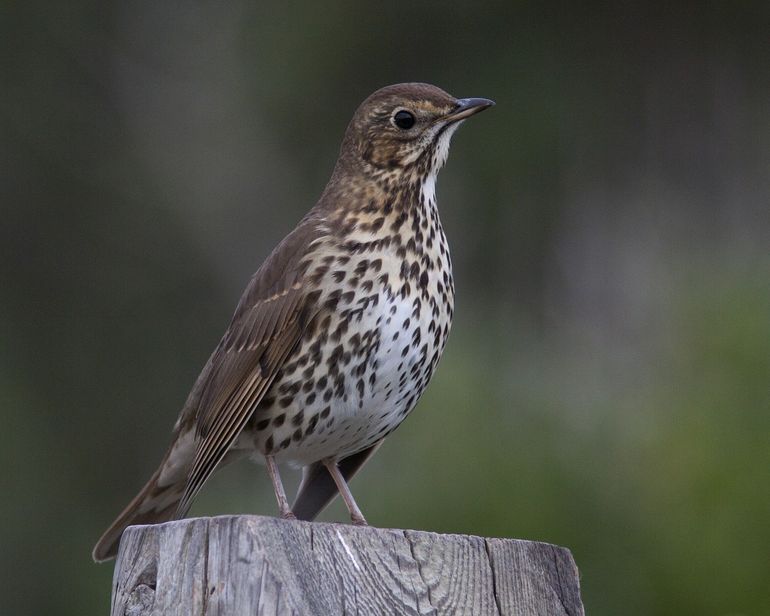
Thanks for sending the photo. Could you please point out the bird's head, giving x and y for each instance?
(406, 126)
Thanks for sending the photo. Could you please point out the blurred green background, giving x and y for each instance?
(605, 386)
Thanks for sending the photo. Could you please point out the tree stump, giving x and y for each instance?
(239, 565)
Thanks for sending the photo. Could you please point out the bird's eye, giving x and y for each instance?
(403, 119)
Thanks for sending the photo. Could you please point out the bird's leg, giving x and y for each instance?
(355, 513)
(280, 494)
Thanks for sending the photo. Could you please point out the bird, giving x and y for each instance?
(338, 333)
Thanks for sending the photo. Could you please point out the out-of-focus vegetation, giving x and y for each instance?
(606, 383)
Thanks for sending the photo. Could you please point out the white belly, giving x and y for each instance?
(381, 385)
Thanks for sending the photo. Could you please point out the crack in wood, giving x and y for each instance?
(493, 575)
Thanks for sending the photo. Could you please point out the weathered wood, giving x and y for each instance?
(238, 565)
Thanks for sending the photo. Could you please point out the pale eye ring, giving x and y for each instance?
(404, 119)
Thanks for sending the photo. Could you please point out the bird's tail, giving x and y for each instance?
(158, 499)
(318, 489)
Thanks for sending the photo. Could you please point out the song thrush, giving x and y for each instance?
(338, 333)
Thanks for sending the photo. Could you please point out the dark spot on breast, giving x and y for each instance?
(335, 356)
(339, 385)
(290, 388)
(332, 302)
(398, 222)
(360, 369)
(404, 272)
(290, 368)
(319, 273)
(417, 304)
(352, 247)
(312, 424)
(362, 266)
(414, 270)
(267, 401)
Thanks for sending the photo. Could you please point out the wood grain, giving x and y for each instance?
(238, 565)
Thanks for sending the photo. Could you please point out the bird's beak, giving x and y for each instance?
(466, 107)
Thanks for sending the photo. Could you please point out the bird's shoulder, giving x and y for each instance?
(282, 273)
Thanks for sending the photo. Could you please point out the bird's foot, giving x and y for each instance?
(358, 520)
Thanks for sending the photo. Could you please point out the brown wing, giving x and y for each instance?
(267, 325)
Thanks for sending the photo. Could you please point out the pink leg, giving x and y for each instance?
(280, 494)
(355, 513)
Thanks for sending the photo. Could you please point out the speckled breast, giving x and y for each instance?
(385, 309)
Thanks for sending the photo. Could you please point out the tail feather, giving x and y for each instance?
(142, 510)
(318, 489)
(157, 501)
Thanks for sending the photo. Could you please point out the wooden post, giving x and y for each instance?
(239, 565)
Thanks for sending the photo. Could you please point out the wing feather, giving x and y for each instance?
(268, 323)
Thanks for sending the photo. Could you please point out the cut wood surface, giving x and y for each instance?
(239, 565)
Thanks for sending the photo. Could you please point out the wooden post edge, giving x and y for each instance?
(238, 565)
